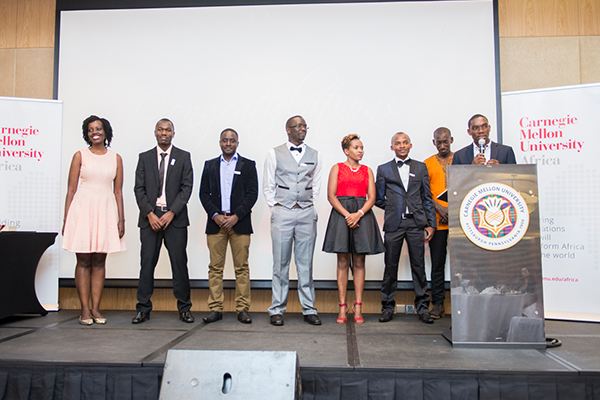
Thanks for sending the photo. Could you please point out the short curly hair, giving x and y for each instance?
(348, 139)
(108, 132)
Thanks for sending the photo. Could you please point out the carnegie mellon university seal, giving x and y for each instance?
(494, 216)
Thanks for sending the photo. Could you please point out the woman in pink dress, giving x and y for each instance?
(352, 230)
(94, 220)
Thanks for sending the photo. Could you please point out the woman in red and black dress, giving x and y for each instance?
(352, 231)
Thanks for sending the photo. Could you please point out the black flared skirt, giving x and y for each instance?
(339, 238)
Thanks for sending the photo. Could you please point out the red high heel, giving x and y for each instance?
(358, 320)
(342, 320)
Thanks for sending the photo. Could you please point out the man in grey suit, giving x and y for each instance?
(487, 153)
(163, 185)
(402, 190)
(292, 178)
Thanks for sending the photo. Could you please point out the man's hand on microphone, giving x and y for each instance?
(479, 159)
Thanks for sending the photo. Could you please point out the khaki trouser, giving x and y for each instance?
(217, 245)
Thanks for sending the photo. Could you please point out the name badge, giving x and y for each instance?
(237, 172)
(172, 161)
(411, 175)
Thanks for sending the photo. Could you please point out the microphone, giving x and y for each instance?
(481, 143)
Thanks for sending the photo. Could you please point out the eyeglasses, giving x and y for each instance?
(300, 126)
(480, 128)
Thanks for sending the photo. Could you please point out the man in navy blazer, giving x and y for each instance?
(228, 191)
(403, 192)
(163, 185)
(493, 153)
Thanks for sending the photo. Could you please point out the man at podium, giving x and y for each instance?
(483, 151)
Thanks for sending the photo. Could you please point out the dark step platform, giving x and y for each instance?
(55, 357)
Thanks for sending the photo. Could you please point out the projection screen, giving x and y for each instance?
(373, 68)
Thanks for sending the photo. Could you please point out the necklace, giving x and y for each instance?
(353, 169)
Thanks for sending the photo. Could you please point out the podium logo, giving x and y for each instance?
(494, 216)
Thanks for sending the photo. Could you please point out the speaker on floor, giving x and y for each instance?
(225, 374)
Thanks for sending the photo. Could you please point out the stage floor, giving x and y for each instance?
(402, 345)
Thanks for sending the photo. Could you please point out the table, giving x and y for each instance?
(20, 253)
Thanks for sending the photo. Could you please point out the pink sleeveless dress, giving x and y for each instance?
(91, 225)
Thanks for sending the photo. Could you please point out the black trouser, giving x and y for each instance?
(438, 249)
(175, 240)
(415, 240)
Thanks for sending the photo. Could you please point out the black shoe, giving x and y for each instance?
(312, 319)
(140, 317)
(386, 316)
(187, 317)
(214, 316)
(277, 320)
(244, 317)
(437, 311)
(425, 317)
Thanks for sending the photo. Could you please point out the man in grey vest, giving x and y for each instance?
(292, 178)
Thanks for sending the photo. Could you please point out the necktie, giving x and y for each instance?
(401, 163)
(161, 174)
(298, 149)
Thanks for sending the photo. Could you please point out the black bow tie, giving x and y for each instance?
(298, 149)
(401, 163)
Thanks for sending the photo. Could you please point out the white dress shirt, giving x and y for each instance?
(162, 199)
(404, 172)
(487, 153)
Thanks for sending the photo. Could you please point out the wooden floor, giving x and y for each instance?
(327, 300)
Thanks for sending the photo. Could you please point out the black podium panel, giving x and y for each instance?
(20, 254)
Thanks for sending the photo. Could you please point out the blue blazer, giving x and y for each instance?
(244, 192)
(504, 154)
(393, 197)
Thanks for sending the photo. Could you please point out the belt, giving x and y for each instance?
(226, 214)
(407, 215)
(162, 208)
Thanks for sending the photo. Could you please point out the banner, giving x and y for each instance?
(30, 146)
(556, 129)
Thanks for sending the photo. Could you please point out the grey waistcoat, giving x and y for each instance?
(293, 179)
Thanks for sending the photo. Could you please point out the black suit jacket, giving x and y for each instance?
(244, 192)
(393, 198)
(504, 154)
(178, 186)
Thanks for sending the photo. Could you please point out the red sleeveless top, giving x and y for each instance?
(352, 183)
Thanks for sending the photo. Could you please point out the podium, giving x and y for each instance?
(495, 257)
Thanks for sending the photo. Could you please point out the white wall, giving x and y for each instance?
(372, 69)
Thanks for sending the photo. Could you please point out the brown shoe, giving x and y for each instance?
(437, 311)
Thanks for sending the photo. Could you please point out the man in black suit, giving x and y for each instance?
(163, 185)
(228, 190)
(403, 192)
(493, 153)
